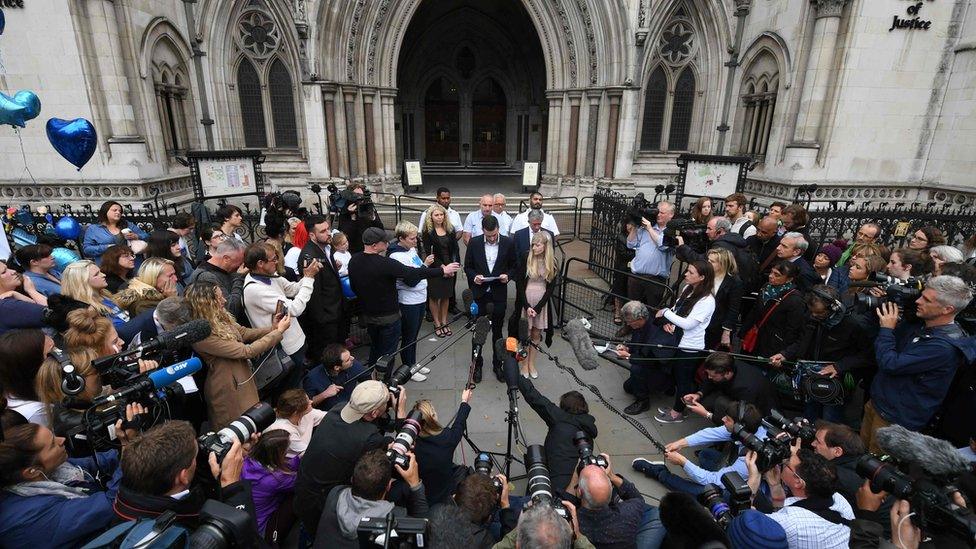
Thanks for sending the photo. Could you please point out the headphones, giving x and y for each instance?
(833, 303)
(72, 383)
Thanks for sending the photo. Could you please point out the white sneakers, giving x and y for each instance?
(421, 375)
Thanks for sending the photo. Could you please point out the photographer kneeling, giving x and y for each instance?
(610, 520)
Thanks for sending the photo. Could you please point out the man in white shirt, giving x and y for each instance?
(444, 199)
(815, 516)
(504, 219)
(472, 223)
(521, 221)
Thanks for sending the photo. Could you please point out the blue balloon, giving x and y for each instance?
(347, 288)
(3, 22)
(12, 112)
(75, 140)
(30, 102)
(22, 238)
(67, 228)
(64, 257)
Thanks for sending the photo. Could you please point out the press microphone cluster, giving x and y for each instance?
(582, 345)
(152, 381)
(935, 456)
(116, 369)
(518, 347)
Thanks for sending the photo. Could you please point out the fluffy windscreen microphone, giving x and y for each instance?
(481, 329)
(935, 456)
(500, 349)
(582, 345)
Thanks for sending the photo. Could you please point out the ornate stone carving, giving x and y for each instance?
(642, 14)
(373, 39)
(590, 39)
(257, 33)
(828, 8)
(357, 16)
(301, 11)
(678, 43)
(570, 43)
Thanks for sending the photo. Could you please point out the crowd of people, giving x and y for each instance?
(853, 337)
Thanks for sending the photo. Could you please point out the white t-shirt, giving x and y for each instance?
(521, 221)
(472, 224)
(298, 435)
(291, 258)
(695, 324)
(343, 257)
(410, 295)
(32, 410)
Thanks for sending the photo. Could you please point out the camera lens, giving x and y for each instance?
(482, 464)
(884, 476)
(255, 419)
(405, 437)
(539, 487)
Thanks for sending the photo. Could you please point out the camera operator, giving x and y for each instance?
(814, 516)
(359, 215)
(792, 248)
(343, 436)
(842, 446)
(711, 466)
(48, 499)
(158, 471)
(477, 499)
(652, 258)
(609, 507)
(563, 422)
(540, 526)
(832, 334)
(724, 377)
(721, 235)
(916, 363)
(370, 482)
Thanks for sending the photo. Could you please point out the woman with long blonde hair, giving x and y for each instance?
(85, 282)
(437, 239)
(230, 387)
(534, 289)
(728, 290)
(156, 280)
(435, 447)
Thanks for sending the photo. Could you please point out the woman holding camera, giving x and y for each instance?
(435, 447)
(229, 389)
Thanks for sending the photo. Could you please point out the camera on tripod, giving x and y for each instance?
(405, 439)
(255, 419)
(930, 497)
(482, 466)
(585, 448)
(539, 488)
(900, 292)
(339, 201)
(740, 498)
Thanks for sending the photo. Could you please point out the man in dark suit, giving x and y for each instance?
(523, 237)
(323, 314)
(791, 248)
(490, 256)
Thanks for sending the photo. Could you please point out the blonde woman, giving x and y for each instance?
(85, 282)
(155, 282)
(437, 239)
(728, 291)
(435, 448)
(230, 387)
(535, 284)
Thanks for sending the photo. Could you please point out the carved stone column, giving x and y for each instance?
(331, 129)
(352, 143)
(573, 135)
(369, 131)
(554, 137)
(613, 127)
(387, 98)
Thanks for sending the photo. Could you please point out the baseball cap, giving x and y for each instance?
(366, 397)
(373, 235)
(754, 530)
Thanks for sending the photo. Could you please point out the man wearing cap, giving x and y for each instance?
(757, 531)
(373, 278)
(344, 435)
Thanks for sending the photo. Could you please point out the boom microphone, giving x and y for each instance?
(154, 380)
(177, 338)
(582, 345)
(481, 328)
(935, 456)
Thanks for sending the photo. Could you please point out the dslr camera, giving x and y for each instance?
(405, 439)
(770, 452)
(692, 233)
(97, 429)
(482, 466)
(798, 427)
(539, 488)
(741, 498)
(585, 448)
(900, 292)
(255, 419)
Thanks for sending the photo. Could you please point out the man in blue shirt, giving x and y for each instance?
(38, 264)
(652, 258)
(330, 383)
(916, 364)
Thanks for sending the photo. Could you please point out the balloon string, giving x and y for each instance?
(23, 153)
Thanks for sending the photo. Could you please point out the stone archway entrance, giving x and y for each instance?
(471, 87)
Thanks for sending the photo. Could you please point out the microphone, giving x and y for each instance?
(582, 345)
(511, 370)
(481, 328)
(470, 307)
(154, 380)
(523, 331)
(177, 338)
(935, 456)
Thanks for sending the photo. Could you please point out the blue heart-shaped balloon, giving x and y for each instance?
(12, 112)
(30, 102)
(75, 140)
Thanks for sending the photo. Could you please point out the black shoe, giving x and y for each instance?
(477, 374)
(638, 407)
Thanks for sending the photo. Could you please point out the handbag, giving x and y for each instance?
(752, 335)
(271, 366)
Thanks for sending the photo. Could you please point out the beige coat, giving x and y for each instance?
(226, 391)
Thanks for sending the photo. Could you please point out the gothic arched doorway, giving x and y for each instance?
(488, 117)
(441, 122)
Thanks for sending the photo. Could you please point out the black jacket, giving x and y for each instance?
(523, 241)
(748, 384)
(728, 298)
(848, 481)
(130, 505)
(327, 301)
(561, 453)
(330, 533)
(435, 457)
(846, 343)
(736, 245)
(476, 264)
(781, 329)
(429, 245)
(373, 277)
(808, 277)
(762, 251)
(354, 228)
(614, 526)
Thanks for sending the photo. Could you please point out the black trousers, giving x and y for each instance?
(647, 292)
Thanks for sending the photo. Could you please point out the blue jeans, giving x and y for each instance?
(833, 413)
(383, 341)
(411, 317)
(672, 481)
(651, 533)
(683, 369)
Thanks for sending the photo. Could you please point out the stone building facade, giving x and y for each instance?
(868, 99)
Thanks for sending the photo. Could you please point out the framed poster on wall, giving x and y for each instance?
(221, 174)
(710, 175)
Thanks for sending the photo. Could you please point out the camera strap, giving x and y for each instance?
(821, 507)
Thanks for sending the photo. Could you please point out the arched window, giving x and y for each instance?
(669, 98)
(252, 106)
(282, 105)
(761, 83)
(265, 86)
(654, 103)
(172, 95)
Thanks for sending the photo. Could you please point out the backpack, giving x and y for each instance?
(132, 534)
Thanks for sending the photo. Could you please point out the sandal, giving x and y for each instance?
(438, 331)
(447, 332)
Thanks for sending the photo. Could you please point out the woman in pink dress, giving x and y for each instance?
(535, 287)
